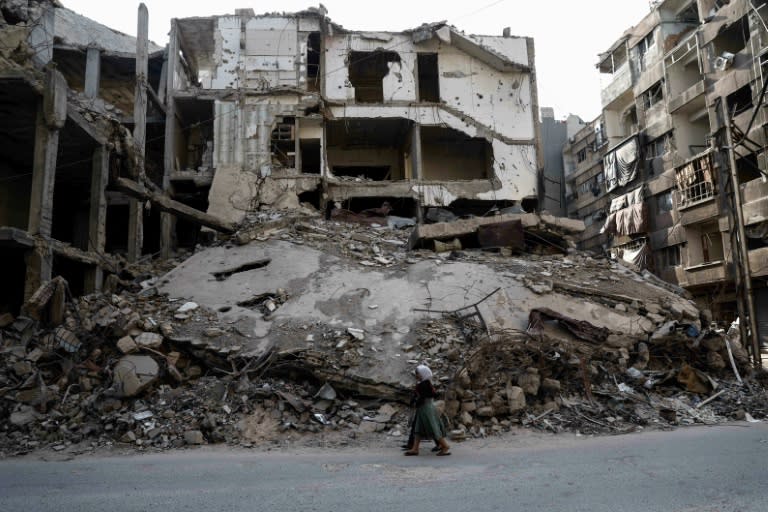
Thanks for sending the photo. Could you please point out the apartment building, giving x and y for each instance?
(675, 87)
(278, 109)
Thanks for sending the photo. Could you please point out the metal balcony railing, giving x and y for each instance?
(696, 193)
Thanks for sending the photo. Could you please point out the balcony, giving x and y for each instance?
(621, 81)
(685, 97)
(703, 274)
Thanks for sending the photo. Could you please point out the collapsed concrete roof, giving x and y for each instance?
(75, 31)
(385, 301)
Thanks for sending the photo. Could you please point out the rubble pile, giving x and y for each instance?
(138, 367)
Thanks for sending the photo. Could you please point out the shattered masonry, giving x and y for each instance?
(370, 191)
(269, 111)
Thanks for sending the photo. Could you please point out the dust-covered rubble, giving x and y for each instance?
(557, 341)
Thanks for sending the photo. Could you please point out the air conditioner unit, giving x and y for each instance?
(724, 61)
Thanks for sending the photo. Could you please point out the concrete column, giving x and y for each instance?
(416, 152)
(92, 72)
(98, 215)
(418, 168)
(169, 155)
(136, 210)
(297, 146)
(39, 263)
(51, 117)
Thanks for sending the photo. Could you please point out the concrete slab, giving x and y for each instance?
(327, 295)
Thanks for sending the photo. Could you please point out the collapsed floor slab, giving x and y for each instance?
(327, 296)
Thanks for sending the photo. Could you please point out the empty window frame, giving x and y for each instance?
(712, 247)
(653, 95)
(740, 100)
(659, 146)
(665, 202)
(642, 49)
(670, 257)
(313, 61)
(429, 83)
(366, 73)
(581, 155)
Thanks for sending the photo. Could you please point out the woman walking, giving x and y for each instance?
(426, 423)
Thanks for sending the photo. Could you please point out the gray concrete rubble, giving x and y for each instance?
(302, 330)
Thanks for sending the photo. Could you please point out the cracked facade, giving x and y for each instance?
(113, 147)
(304, 110)
(650, 176)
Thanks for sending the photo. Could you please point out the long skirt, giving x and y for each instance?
(427, 424)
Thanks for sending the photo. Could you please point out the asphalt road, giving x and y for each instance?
(703, 469)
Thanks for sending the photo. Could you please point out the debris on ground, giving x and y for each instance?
(300, 328)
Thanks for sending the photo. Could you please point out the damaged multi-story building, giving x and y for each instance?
(280, 109)
(682, 126)
(113, 148)
(67, 90)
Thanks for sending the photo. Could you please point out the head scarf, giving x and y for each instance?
(423, 372)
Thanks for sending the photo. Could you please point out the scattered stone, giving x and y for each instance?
(127, 345)
(194, 437)
(132, 374)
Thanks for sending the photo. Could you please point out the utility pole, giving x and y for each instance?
(739, 249)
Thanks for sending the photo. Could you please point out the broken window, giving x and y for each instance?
(712, 247)
(733, 39)
(581, 155)
(366, 73)
(664, 202)
(653, 95)
(313, 61)
(283, 143)
(670, 256)
(695, 181)
(747, 169)
(740, 100)
(642, 49)
(659, 146)
(429, 85)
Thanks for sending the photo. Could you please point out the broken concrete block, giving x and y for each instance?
(127, 345)
(214, 332)
(194, 437)
(551, 386)
(326, 392)
(465, 419)
(619, 341)
(23, 368)
(149, 340)
(643, 356)
(24, 416)
(132, 374)
(530, 381)
(515, 398)
(187, 307)
(6, 319)
(468, 406)
(485, 412)
(367, 427)
(358, 334)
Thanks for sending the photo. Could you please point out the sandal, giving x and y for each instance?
(410, 452)
(442, 453)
